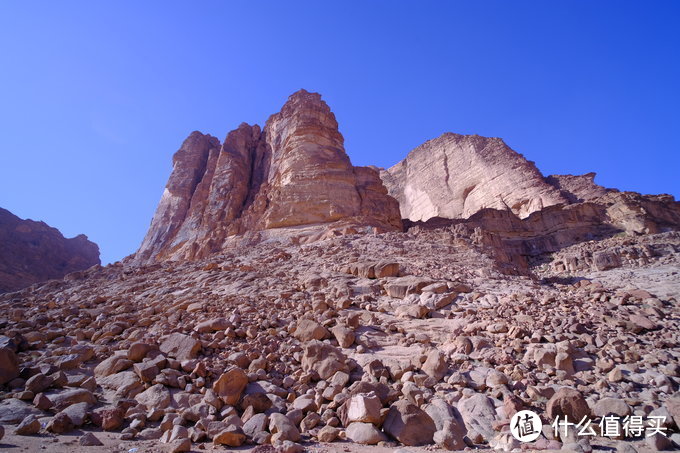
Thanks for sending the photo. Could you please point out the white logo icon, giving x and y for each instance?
(526, 426)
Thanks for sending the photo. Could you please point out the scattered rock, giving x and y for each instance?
(89, 440)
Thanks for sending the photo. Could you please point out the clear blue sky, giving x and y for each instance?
(96, 96)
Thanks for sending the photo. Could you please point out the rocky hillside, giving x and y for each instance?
(279, 303)
(293, 172)
(32, 252)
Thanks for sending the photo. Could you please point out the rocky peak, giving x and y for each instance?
(294, 172)
(455, 176)
(32, 252)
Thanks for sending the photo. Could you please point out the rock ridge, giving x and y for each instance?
(32, 252)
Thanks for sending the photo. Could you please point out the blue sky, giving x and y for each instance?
(95, 97)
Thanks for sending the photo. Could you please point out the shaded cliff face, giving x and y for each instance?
(454, 176)
(292, 173)
(31, 252)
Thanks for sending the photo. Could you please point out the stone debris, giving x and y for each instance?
(288, 320)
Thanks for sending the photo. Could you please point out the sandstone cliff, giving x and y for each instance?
(454, 176)
(32, 252)
(294, 172)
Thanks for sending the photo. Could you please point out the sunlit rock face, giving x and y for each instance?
(455, 176)
(294, 172)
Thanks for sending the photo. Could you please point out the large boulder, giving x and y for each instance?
(13, 411)
(323, 358)
(364, 433)
(310, 330)
(230, 385)
(479, 414)
(410, 425)
(362, 407)
(567, 402)
(9, 365)
(435, 365)
(181, 347)
(155, 397)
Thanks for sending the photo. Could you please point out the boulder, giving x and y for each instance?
(451, 436)
(363, 407)
(310, 330)
(281, 425)
(181, 347)
(112, 365)
(323, 358)
(230, 385)
(90, 440)
(567, 402)
(138, 350)
(66, 398)
(155, 397)
(479, 414)
(401, 287)
(364, 433)
(212, 325)
(9, 365)
(435, 365)
(231, 436)
(28, 426)
(409, 424)
(611, 406)
(344, 335)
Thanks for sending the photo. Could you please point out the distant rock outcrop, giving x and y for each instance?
(578, 188)
(32, 252)
(292, 173)
(454, 176)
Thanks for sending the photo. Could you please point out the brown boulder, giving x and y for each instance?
(181, 347)
(567, 402)
(409, 424)
(230, 385)
(310, 330)
(325, 359)
(9, 365)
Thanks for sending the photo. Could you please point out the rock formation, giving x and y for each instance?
(292, 173)
(32, 252)
(578, 188)
(454, 176)
(246, 319)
